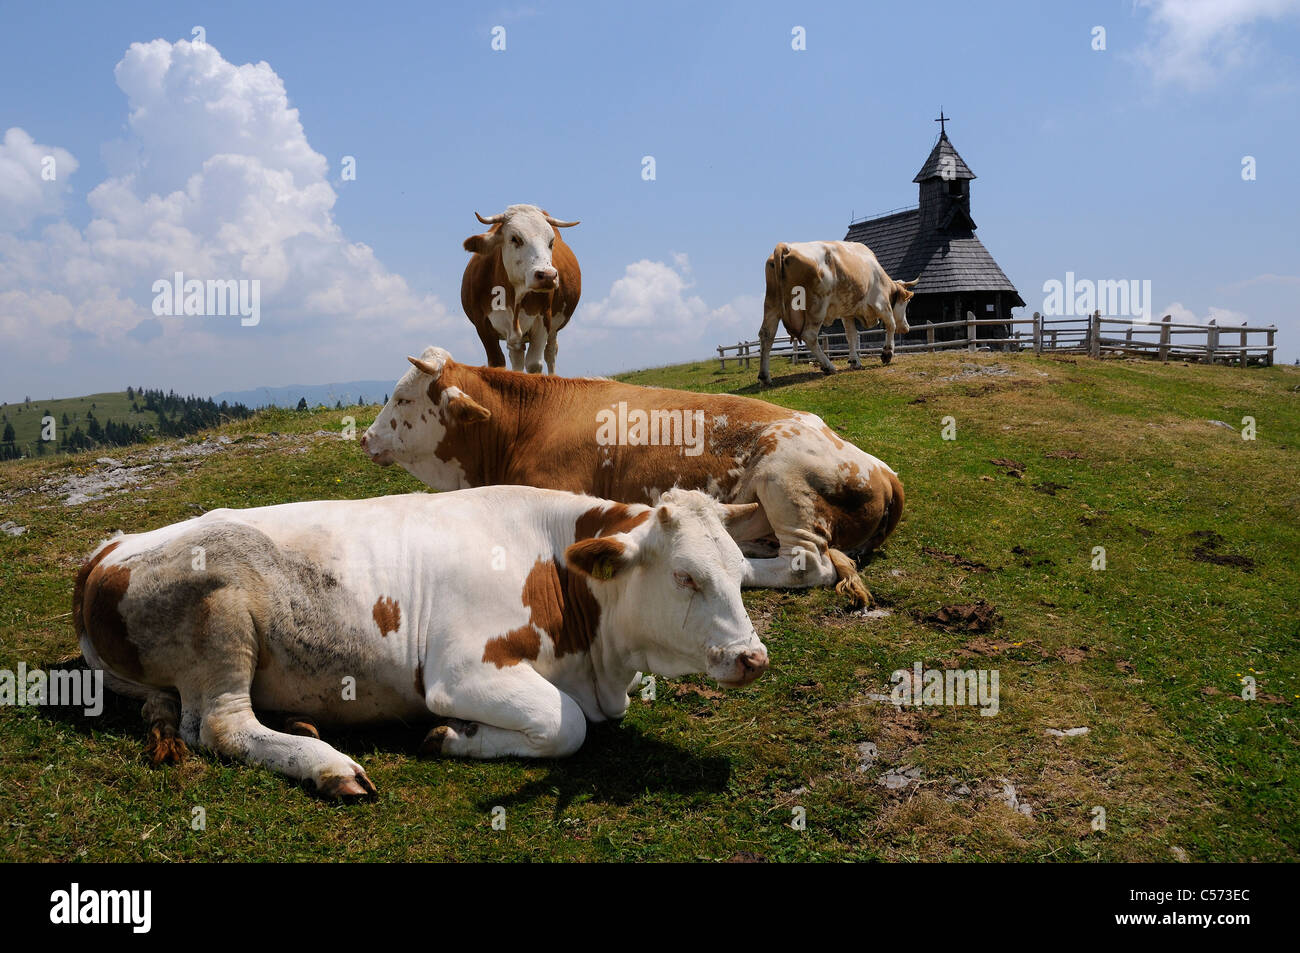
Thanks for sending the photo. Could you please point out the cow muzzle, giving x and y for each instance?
(544, 279)
(739, 668)
(382, 457)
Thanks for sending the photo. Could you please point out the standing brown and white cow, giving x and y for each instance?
(813, 284)
(521, 286)
(452, 426)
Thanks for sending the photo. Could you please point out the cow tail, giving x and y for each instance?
(850, 584)
(778, 258)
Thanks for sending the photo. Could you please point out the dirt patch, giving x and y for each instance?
(960, 561)
(1206, 550)
(1050, 488)
(977, 616)
(1028, 559)
(1012, 468)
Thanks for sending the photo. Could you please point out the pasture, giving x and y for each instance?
(1051, 459)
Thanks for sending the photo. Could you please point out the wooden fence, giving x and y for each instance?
(1092, 335)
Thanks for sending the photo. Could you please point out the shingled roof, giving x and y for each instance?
(946, 254)
(933, 166)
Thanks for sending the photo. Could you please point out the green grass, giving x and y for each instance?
(1136, 652)
(26, 417)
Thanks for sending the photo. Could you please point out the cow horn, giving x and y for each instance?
(433, 370)
(491, 219)
(558, 224)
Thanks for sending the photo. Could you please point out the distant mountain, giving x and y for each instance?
(352, 392)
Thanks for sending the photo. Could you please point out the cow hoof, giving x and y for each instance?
(765, 381)
(886, 357)
(164, 747)
(301, 726)
(855, 366)
(828, 371)
(344, 786)
(434, 741)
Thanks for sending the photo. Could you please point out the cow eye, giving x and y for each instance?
(551, 243)
(685, 581)
(516, 241)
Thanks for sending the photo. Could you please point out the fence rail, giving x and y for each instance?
(1092, 334)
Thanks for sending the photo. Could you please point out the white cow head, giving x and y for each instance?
(422, 411)
(525, 237)
(898, 300)
(676, 590)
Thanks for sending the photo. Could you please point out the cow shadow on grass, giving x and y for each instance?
(618, 764)
(755, 389)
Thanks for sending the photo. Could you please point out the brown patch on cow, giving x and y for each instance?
(96, 598)
(833, 437)
(387, 614)
(393, 423)
(561, 605)
(79, 588)
(419, 680)
(608, 521)
(406, 424)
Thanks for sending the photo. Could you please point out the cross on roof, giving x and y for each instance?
(941, 120)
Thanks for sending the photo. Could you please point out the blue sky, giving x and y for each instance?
(1122, 163)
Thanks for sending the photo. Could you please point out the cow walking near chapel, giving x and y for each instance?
(811, 285)
(821, 498)
(521, 285)
(512, 613)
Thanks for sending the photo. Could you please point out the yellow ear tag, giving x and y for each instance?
(603, 569)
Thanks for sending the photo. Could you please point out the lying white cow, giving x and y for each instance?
(514, 613)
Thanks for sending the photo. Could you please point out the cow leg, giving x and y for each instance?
(491, 343)
(851, 333)
(536, 345)
(814, 346)
(504, 713)
(887, 354)
(552, 350)
(766, 336)
(230, 728)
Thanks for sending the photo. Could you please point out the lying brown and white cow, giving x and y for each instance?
(515, 613)
(451, 426)
(521, 285)
(811, 285)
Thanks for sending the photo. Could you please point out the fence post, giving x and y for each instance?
(1094, 334)
(722, 360)
(1268, 355)
(929, 335)
(1164, 338)
(970, 331)
(1244, 356)
(1038, 333)
(1211, 340)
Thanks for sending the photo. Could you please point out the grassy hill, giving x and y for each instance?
(1052, 459)
(26, 417)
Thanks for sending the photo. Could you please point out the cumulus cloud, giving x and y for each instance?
(1194, 42)
(33, 179)
(1181, 314)
(216, 179)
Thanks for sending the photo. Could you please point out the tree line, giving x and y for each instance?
(176, 416)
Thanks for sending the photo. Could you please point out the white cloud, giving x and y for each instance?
(215, 179)
(1194, 42)
(33, 179)
(1223, 317)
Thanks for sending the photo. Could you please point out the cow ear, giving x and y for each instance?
(744, 521)
(488, 241)
(466, 410)
(601, 558)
